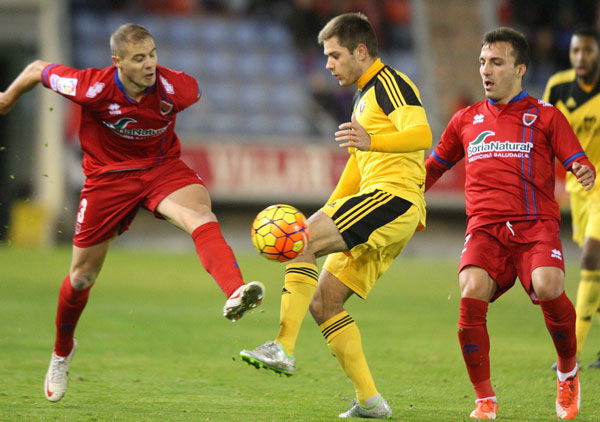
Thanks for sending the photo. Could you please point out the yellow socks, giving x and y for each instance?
(588, 301)
(299, 285)
(343, 339)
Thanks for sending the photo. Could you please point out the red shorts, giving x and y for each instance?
(109, 202)
(507, 250)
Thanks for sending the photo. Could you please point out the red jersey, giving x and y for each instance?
(509, 153)
(117, 132)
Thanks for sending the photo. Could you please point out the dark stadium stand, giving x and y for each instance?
(249, 74)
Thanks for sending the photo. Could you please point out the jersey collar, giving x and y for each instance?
(369, 73)
(519, 97)
(122, 88)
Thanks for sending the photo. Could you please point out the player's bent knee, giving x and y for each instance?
(316, 309)
(548, 292)
(192, 219)
(475, 283)
(82, 279)
(475, 290)
(319, 310)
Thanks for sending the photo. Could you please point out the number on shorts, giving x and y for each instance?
(82, 208)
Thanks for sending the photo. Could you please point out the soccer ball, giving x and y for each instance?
(279, 232)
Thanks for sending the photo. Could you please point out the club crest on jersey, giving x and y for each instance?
(529, 118)
(165, 107)
(361, 107)
(120, 128)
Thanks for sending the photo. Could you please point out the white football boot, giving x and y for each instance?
(55, 384)
(245, 298)
(380, 410)
(270, 356)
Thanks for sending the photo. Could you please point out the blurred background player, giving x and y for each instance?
(509, 143)
(374, 211)
(130, 160)
(576, 92)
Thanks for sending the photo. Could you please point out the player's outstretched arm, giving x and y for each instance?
(585, 174)
(26, 81)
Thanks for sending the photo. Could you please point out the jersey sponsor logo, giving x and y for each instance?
(478, 118)
(94, 90)
(114, 109)
(529, 118)
(67, 86)
(165, 107)
(503, 149)
(120, 128)
(168, 87)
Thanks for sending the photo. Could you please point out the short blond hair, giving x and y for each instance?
(125, 34)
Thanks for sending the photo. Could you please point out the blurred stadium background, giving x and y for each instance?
(262, 132)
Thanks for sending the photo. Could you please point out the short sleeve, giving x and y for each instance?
(79, 86)
(181, 87)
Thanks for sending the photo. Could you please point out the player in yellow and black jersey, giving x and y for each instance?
(375, 209)
(576, 92)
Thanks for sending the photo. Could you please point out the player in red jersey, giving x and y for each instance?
(509, 143)
(130, 160)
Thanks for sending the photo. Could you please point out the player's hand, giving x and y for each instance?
(584, 175)
(352, 134)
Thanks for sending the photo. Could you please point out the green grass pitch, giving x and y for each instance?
(154, 346)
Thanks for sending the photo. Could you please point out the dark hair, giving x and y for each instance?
(587, 31)
(127, 33)
(351, 29)
(516, 39)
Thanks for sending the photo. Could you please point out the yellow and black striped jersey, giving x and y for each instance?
(582, 109)
(386, 103)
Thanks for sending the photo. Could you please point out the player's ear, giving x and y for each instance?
(115, 60)
(362, 51)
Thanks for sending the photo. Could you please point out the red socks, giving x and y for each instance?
(559, 315)
(217, 257)
(70, 306)
(475, 344)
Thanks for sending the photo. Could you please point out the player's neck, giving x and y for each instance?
(133, 91)
(588, 83)
(514, 93)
